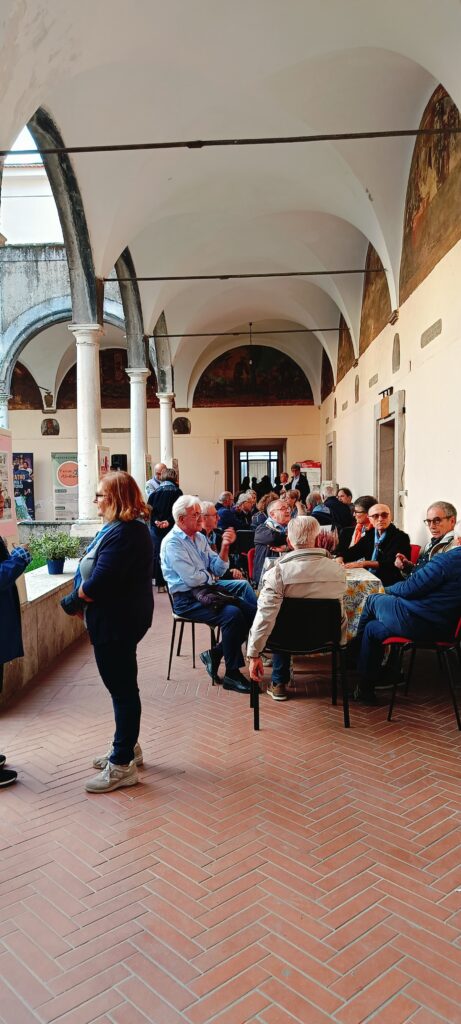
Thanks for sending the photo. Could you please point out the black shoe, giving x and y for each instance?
(239, 684)
(2, 760)
(211, 661)
(7, 777)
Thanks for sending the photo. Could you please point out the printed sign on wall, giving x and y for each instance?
(7, 510)
(23, 482)
(65, 484)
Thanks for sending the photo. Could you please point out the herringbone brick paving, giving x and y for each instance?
(305, 873)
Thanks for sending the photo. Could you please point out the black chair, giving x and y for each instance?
(182, 620)
(308, 626)
(442, 649)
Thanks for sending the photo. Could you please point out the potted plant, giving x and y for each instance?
(55, 547)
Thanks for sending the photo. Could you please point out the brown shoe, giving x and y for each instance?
(277, 691)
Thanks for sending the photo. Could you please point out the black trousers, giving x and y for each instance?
(118, 669)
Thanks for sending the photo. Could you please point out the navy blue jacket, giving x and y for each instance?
(11, 567)
(121, 586)
(431, 596)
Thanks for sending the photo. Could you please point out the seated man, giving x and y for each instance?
(306, 571)
(341, 511)
(271, 536)
(425, 606)
(441, 519)
(189, 563)
(378, 548)
(225, 500)
(239, 516)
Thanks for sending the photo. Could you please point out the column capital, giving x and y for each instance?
(138, 374)
(165, 397)
(86, 334)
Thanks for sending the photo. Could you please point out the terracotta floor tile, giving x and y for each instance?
(303, 874)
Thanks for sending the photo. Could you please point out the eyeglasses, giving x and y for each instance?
(380, 515)
(435, 521)
(99, 495)
(359, 512)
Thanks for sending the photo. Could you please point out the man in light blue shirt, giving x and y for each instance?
(188, 562)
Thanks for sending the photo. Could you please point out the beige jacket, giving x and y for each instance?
(307, 572)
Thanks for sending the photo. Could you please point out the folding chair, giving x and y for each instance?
(308, 626)
(182, 620)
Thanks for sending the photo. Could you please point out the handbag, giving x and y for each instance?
(211, 596)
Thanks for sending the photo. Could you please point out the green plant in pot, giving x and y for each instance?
(55, 547)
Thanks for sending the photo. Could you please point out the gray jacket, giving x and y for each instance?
(305, 572)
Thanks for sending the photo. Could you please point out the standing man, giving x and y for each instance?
(441, 519)
(156, 479)
(299, 480)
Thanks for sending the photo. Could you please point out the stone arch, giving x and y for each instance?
(86, 289)
(160, 356)
(37, 319)
(132, 310)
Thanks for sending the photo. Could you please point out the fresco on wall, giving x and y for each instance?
(24, 391)
(346, 357)
(253, 375)
(432, 223)
(115, 385)
(376, 303)
(328, 382)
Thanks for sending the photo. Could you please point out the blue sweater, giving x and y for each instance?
(120, 586)
(432, 594)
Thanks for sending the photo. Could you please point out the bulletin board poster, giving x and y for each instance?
(7, 510)
(65, 485)
(313, 471)
(103, 460)
(23, 483)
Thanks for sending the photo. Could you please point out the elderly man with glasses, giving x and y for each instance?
(379, 547)
(441, 520)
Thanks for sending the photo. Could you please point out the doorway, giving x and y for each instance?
(253, 458)
(386, 462)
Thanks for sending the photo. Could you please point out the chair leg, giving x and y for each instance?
(171, 647)
(344, 686)
(212, 645)
(445, 660)
(334, 678)
(393, 696)
(254, 703)
(410, 670)
(181, 631)
(193, 644)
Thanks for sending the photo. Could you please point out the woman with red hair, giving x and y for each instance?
(116, 594)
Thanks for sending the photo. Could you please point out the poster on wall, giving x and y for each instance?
(149, 467)
(23, 483)
(65, 485)
(103, 460)
(7, 509)
(313, 471)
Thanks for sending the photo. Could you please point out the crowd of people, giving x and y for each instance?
(302, 542)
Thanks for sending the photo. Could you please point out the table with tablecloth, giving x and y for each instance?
(360, 583)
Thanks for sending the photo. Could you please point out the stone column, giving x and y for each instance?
(88, 417)
(4, 413)
(166, 428)
(138, 423)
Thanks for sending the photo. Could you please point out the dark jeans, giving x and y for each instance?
(234, 622)
(157, 537)
(383, 615)
(118, 669)
(280, 667)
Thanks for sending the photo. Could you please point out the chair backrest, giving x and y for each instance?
(414, 552)
(245, 541)
(251, 562)
(306, 624)
(458, 631)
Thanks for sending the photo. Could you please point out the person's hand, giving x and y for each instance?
(84, 597)
(229, 536)
(256, 669)
(236, 574)
(401, 562)
(161, 524)
(340, 559)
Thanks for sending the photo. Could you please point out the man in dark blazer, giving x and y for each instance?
(378, 548)
(298, 480)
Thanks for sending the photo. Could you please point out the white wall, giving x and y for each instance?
(200, 454)
(431, 379)
(28, 211)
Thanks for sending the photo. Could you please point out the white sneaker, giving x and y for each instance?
(100, 762)
(113, 776)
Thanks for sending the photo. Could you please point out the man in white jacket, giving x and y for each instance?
(306, 572)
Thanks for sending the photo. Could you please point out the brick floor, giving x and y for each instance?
(303, 874)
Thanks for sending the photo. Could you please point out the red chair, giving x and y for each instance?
(251, 562)
(442, 649)
(414, 552)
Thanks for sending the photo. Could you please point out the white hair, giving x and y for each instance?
(329, 490)
(302, 531)
(457, 529)
(206, 506)
(182, 504)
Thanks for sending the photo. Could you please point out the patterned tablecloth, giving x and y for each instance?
(360, 583)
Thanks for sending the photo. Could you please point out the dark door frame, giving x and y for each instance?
(234, 447)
